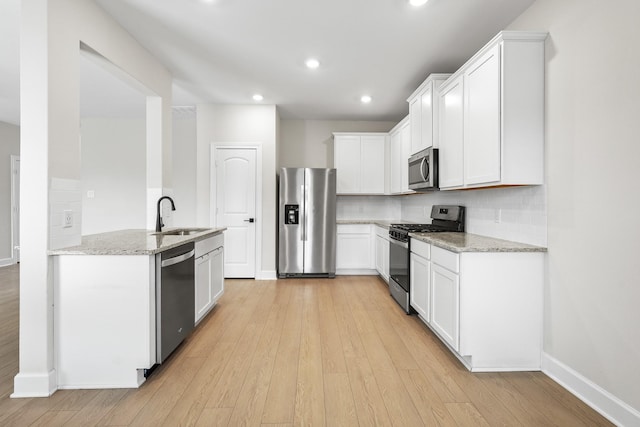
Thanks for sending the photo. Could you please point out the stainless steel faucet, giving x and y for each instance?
(159, 223)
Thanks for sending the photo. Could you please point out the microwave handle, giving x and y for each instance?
(423, 173)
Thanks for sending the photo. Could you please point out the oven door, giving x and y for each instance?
(399, 263)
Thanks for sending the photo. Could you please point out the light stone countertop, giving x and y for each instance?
(132, 242)
(384, 223)
(466, 242)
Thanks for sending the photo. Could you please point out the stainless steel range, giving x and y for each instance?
(443, 218)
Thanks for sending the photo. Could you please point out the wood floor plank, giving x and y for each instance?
(214, 417)
(309, 409)
(54, 419)
(465, 414)
(330, 343)
(280, 403)
(96, 408)
(340, 409)
(426, 400)
(249, 406)
(370, 407)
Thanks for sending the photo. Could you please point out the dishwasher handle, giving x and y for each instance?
(178, 259)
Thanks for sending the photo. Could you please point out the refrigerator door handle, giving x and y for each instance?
(305, 210)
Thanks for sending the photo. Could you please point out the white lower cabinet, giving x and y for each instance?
(420, 278)
(485, 306)
(445, 304)
(382, 252)
(355, 251)
(209, 272)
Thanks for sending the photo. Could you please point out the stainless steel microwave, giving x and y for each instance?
(423, 170)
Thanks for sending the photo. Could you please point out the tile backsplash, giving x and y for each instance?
(515, 213)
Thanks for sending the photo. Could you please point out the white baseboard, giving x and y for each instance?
(6, 261)
(35, 385)
(611, 407)
(356, 272)
(267, 275)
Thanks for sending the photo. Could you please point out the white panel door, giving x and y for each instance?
(482, 120)
(426, 118)
(372, 154)
(419, 272)
(451, 142)
(347, 163)
(236, 208)
(445, 304)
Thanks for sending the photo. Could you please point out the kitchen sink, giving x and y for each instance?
(181, 232)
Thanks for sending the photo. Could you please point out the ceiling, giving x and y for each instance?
(224, 51)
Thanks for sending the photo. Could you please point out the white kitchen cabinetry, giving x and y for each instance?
(485, 306)
(502, 125)
(423, 111)
(400, 148)
(445, 296)
(355, 251)
(360, 161)
(420, 278)
(382, 252)
(451, 151)
(209, 272)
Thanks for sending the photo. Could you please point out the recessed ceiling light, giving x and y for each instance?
(417, 2)
(365, 99)
(258, 97)
(312, 63)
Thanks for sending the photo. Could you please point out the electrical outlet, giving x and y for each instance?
(497, 216)
(67, 219)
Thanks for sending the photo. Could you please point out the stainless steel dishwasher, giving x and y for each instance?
(175, 295)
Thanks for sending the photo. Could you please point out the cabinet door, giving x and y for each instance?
(382, 257)
(354, 248)
(203, 295)
(451, 142)
(419, 279)
(396, 161)
(415, 124)
(445, 304)
(406, 153)
(347, 164)
(372, 156)
(482, 120)
(217, 274)
(426, 117)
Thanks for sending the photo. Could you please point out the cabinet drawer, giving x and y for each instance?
(382, 232)
(421, 248)
(207, 245)
(447, 259)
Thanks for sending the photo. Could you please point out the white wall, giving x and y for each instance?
(9, 146)
(50, 38)
(592, 149)
(241, 125)
(113, 167)
(184, 172)
(309, 143)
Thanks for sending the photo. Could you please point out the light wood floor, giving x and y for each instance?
(282, 353)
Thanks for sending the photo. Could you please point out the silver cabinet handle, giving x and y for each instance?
(178, 259)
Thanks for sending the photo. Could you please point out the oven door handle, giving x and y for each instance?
(399, 243)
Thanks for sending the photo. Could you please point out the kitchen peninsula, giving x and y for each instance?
(105, 303)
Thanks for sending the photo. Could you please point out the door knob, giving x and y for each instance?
(250, 220)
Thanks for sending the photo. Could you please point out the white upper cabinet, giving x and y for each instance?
(400, 149)
(359, 159)
(451, 154)
(502, 106)
(423, 113)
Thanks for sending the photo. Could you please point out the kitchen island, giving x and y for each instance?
(105, 306)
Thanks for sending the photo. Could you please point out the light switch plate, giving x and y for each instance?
(67, 219)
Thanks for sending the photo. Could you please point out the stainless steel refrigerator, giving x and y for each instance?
(307, 222)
